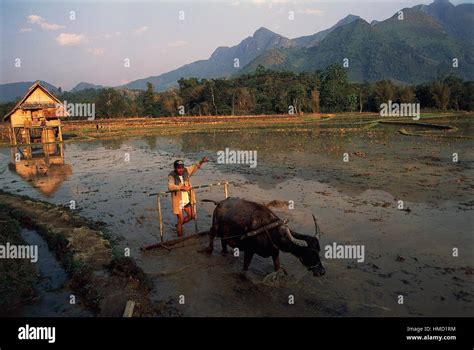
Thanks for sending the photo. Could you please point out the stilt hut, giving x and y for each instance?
(36, 119)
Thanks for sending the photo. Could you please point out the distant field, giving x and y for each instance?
(125, 127)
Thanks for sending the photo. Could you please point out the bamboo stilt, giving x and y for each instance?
(160, 217)
(13, 136)
(226, 190)
(196, 229)
(60, 133)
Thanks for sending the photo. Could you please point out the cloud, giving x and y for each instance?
(64, 39)
(316, 12)
(178, 43)
(111, 35)
(98, 51)
(25, 30)
(141, 30)
(35, 19)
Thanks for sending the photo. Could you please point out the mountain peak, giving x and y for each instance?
(262, 31)
(346, 20)
(84, 85)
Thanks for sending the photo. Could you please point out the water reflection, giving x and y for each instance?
(43, 168)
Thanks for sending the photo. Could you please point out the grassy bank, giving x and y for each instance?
(17, 276)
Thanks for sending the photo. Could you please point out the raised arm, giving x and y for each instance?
(195, 167)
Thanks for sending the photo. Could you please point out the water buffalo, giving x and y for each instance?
(235, 217)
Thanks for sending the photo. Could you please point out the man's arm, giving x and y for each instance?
(195, 167)
(171, 185)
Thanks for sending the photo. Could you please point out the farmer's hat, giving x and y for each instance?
(178, 163)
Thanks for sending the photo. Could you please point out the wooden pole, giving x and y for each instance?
(194, 188)
(61, 152)
(27, 135)
(195, 217)
(13, 137)
(172, 242)
(128, 312)
(60, 133)
(160, 217)
(226, 189)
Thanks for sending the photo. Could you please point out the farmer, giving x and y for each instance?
(183, 197)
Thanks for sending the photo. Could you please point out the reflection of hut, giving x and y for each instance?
(45, 173)
(35, 119)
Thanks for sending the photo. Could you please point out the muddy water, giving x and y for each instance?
(408, 252)
(52, 295)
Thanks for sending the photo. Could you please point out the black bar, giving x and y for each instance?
(312, 333)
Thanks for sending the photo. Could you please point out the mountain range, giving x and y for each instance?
(418, 47)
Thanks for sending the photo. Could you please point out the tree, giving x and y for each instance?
(384, 91)
(111, 104)
(405, 94)
(455, 86)
(314, 101)
(147, 99)
(467, 99)
(352, 102)
(441, 94)
(334, 88)
(297, 97)
(424, 96)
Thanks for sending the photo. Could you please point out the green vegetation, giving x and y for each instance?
(273, 92)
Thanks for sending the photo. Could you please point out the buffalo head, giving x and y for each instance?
(307, 249)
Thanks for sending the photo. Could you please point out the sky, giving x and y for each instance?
(66, 42)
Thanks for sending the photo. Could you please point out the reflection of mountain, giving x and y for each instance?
(43, 172)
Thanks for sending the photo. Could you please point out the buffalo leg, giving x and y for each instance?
(224, 247)
(248, 255)
(276, 261)
(210, 247)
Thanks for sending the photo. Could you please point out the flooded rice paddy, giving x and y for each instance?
(408, 250)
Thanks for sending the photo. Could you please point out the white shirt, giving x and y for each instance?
(184, 194)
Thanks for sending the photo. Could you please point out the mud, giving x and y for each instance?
(409, 251)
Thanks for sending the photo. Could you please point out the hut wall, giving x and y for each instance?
(38, 96)
(19, 117)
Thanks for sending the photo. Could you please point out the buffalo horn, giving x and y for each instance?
(296, 241)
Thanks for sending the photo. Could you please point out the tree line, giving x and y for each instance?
(273, 92)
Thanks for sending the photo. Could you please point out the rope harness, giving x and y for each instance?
(267, 227)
